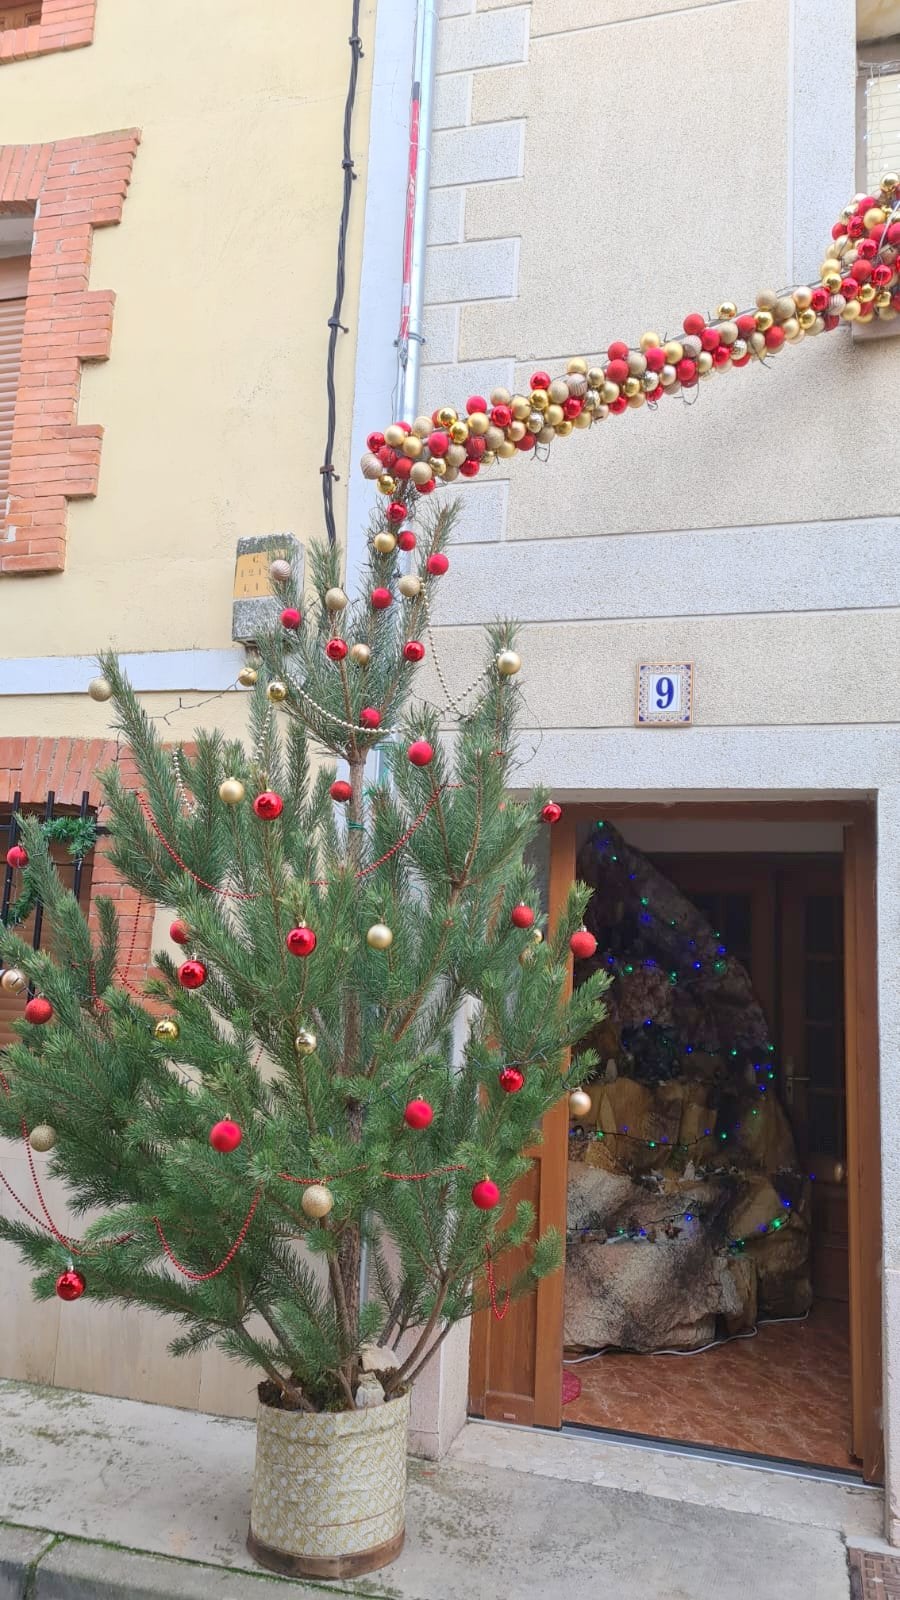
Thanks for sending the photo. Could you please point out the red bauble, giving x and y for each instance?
(414, 650)
(290, 617)
(191, 974)
(395, 511)
(582, 944)
(687, 370)
(179, 932)
(17, 856)
(369, 717)
(437, 564)
(420, 752)
(375, 441)
(746, 324)
(572, 408)
(893, 236)
(501, 416)
(774, 338)
(856, 228)
(70, 1285)
(387, 457)
(427, 488)
(656, 358)
(301, 941)
(336, 649)
(617, 370)
(721, 356)
(655, 394)
(710, 339)
(849, 288)
(341, 790)
(439, 442)
(838, 229)
(551, 812)
(694, 323)
(618, 406)
(740, 361)
(407, 539)
(486, 1195)
(268, 805)
(476, 402)
(819, 299)
(402, 467)
(470, 469)
(881, 275)
(475, 448)
(225, 1136)
(618, 351)
(540, 380)
(38, 1010)
(527, 442)
(521, 916)
(511, 1080)
(862, 271)
(418, 1114)
(381, 599)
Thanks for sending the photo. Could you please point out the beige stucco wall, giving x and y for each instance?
(213, 402)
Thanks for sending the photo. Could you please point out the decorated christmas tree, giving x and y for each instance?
(299, 1140)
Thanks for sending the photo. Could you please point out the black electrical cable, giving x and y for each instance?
(335, 326)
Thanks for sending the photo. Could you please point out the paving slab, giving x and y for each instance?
(176, 1484)
(20, 1549)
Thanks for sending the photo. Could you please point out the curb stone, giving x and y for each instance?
(20, 1550)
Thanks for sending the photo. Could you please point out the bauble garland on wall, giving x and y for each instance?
(859, 282)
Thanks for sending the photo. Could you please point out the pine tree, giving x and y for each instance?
(359, 968)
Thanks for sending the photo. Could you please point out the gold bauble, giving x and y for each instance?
(459, 432)
(379, 936)
(890, 182)
(412, 446)
(439, 466)
(609, 392)
(305, 1042)
(850, 311)
(579, 1103)
(540, 399)
(631, 387)
(766, 299)
(421, 472)
(867, 292)
(668, 376)
(649, 341)
(277, 691)
(634, 400)
(166, 1030)
(739, 349)
(456, 455)
(583, 419)
(674, 351)
(14, 981)
(791, 327)
(422, 426)
(520, 407)
(43, 1137)
(500, 397)
(577, 364)
(803, 298)
(361, 654)
(785, 306)
(636, 363)
(335, 599)
(536, 936)
(728, 310)
(728, 332)
(757, 343)
(554, 415)
(479, 422)
(595, 377)
(100, 689)
(546, 435)
(447, 416)
(508, 663)
(832, 281)
(563, 429)
(231, 791)
(387, 484)
(558, 391)
(394, 435)
(516, 431)
(384, 542)
(452, 473)
(764, 321)
(704, 362)
(885, 298)
(316, 1201)
(410, 585)
(488, 458)
(592, 398)
(506, 449)
(874, 217)
(535, 422)
(247, 677)
(807, 318)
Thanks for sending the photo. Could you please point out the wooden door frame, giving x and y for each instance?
(544, 1408)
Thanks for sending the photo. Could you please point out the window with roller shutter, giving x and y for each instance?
(13, 284)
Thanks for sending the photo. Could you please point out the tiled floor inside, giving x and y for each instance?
(785, 1393)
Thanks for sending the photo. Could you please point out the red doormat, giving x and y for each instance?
(874, 1577)
(571, 1388)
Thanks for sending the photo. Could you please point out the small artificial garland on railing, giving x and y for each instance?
(78, 834)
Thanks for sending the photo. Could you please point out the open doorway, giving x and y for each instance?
(707, 1229)
(789, 888)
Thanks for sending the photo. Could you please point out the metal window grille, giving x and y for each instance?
(75, 873)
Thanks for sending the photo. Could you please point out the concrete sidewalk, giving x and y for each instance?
(106, 1499)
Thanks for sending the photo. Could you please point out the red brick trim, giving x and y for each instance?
(74, 186)
(32, 767)
(64, 25)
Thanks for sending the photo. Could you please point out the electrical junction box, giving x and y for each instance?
(255, 605)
